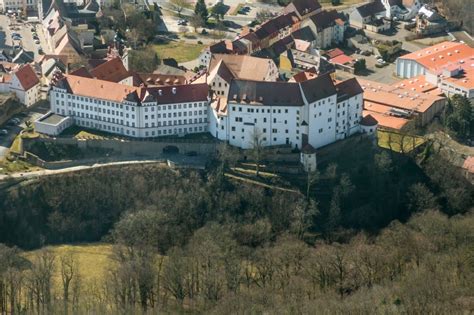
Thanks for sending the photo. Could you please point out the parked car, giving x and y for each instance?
(40, 51)
(33, 30)
(3, 132)
(37, 41)
(16, 35)
(182, 22)
(191, 153)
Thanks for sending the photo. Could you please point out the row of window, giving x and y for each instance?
(239, 119)
(264, 130)
(147, 133)
(262, 110)
(118, 105)
(121, 122)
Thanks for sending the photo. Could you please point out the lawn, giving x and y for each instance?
(180, 51)
(392, 140)
(16, 166)
(16, 145)
(93, 260)
(83, 133)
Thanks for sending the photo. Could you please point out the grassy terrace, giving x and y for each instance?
(84, 133)
(180, 51)
(398, 142)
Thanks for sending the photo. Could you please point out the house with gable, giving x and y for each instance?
(26, 85)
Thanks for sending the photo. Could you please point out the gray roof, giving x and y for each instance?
(265, 93)
(52, 119)
(318, 88)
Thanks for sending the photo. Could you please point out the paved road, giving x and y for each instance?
(7, 140)
(36, 174)
(399, 35)
(198, 162)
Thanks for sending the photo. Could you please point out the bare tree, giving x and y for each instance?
(258, 149)
(69, 273)
(312, 178)
(40, 279)
(179, 5)
(196, 21)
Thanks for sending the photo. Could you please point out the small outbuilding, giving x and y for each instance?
(308, 158)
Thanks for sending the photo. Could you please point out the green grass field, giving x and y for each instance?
(180, 51)
(396, 141)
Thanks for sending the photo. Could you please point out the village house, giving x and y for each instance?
(328, 28)
(26, 85)
(225, 68)
(303, 9)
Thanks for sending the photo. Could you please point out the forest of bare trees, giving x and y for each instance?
(370, 232)
(423, 266)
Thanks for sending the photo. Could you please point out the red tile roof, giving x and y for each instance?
(436, 58)
(341, 60)
(469, 164)
(113, 70)
(27, 77)
(117, 92)
(82, 72)
(333, 53)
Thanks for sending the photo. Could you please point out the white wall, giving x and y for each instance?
(28, 97)
(407, 68)
(126, 118)
(278, 125)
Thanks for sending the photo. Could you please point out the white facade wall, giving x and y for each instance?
(308, 161)
(322, 122)
(407, 68)
(219, 86)
(28, 97)
(218, 125)
(327, 121)
(348, 116)
(127, 118)
(5, 87)
(205, 58)
(50, 129)
(450, 89)
(277, 125)
(16, 4)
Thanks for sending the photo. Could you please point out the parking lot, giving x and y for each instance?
(24, 35)
(10, 129)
